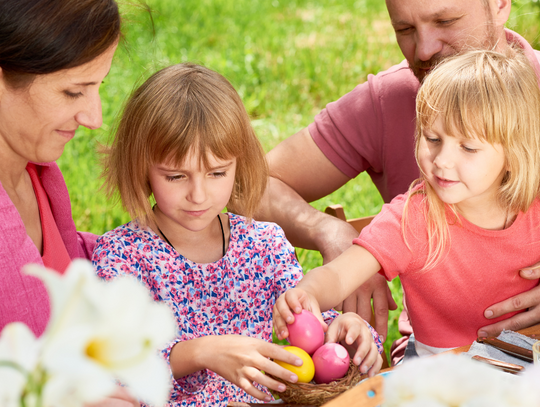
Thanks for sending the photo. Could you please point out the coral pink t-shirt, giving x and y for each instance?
(372, 127)
(446, 304)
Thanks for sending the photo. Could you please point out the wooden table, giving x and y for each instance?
(369, 392)
(359, 396)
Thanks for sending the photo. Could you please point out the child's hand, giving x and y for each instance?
(240, 359)
(296, 300)
(351, 329)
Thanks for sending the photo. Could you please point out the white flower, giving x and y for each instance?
(100, 331)
(19, 350)
(456, 380)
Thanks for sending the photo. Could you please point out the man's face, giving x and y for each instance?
(430, 30)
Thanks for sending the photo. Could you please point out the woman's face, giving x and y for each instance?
(36, 122)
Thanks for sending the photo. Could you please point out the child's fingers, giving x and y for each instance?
(246, 384)
(370, 360)
(360, 335)
(278, 353)
(361, 352)
(284, 304)
(268, 382)
(332, 333)
(280, 326)
(376, 368)
(279, 371)
(315, 310)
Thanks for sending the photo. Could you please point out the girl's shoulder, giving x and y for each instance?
(127, 234)
(532, 215)
(241, 223)
(413, 201)
(243, 229)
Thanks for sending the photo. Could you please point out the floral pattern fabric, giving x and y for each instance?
(234, 295)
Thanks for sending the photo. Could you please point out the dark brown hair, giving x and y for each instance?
(179, 110)
(44, 36)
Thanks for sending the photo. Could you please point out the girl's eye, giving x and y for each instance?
(219, 174)
(469, 150)
(73, 95)
(432, 140)
(172, 178)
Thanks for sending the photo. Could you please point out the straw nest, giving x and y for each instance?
(318, 394)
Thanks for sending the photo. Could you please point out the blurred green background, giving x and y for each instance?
(287, 59)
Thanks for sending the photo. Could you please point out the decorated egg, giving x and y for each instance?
(331, 362)
(305, 372)
(306, 332)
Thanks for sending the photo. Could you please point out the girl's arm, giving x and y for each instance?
(239, 359)
(324, 287)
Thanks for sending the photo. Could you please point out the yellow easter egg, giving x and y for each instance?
(305, 372)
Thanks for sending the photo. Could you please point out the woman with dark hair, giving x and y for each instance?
(54, 54)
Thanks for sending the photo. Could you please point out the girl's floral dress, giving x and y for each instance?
(234, 295)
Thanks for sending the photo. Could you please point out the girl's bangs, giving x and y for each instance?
(204, 134)
(463, 106)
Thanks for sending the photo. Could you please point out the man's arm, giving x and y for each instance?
(301, 173)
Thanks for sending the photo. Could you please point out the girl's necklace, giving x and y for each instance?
(220, 225)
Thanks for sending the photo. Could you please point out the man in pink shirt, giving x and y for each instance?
(372, 129)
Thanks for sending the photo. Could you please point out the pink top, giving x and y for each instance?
(446, 304)
(372, 127)
(23, 298)
(55, 255)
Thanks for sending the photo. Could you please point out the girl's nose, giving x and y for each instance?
(90, 115)
(444, 158)
(197, 193)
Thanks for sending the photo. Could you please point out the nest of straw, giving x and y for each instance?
(318, 394)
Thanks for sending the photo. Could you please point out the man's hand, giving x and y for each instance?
(529, 301)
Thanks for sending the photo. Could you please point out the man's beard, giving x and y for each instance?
(421, 68)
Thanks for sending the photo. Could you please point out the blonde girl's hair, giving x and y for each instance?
(182, 109)
(492, 96)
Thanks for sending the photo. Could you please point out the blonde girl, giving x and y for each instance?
(458, 239)
(184, 150)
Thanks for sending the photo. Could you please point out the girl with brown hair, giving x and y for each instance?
(184, 150)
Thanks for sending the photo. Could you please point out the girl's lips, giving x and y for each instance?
(196, 213)
(445, 183)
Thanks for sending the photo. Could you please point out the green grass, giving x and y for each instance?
(287, 59)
